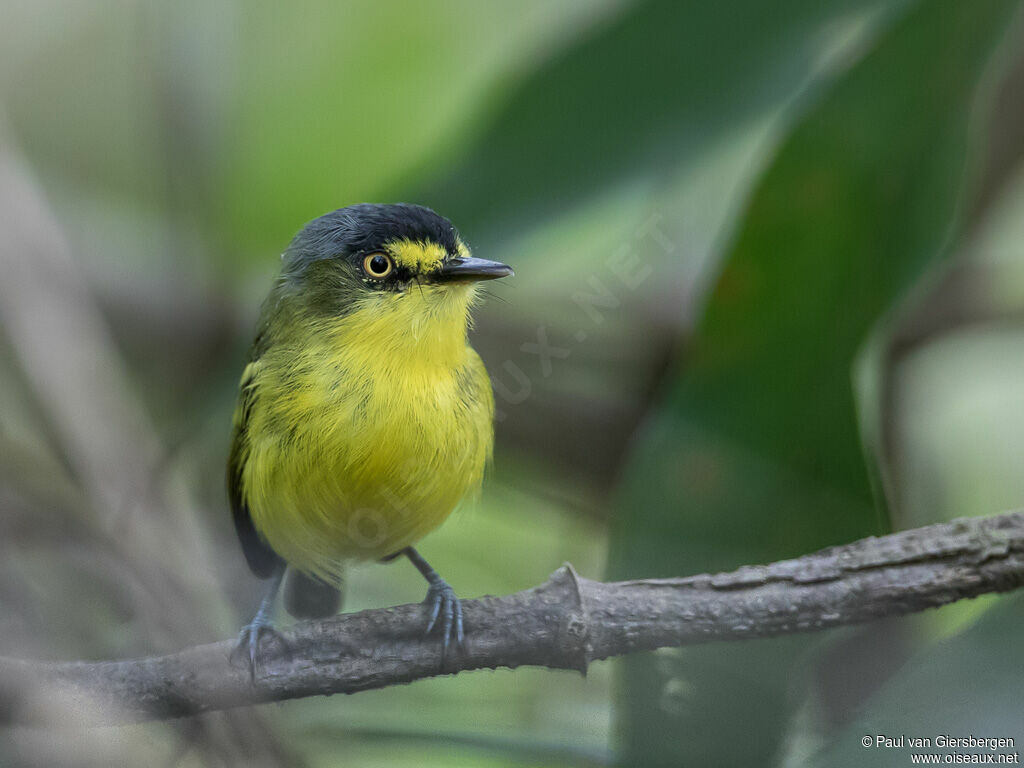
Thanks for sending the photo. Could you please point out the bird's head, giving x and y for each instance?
(400, 264)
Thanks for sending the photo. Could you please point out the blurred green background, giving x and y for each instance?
(772, 257)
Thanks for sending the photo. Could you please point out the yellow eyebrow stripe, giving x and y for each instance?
(417, 256)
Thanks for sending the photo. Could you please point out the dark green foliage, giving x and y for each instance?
(755, 455)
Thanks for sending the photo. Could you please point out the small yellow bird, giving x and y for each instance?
(363, 415)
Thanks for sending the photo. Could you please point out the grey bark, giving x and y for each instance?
(565, 623)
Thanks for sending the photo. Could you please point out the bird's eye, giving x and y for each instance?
(378, 265)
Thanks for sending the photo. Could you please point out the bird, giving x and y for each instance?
(364, 416)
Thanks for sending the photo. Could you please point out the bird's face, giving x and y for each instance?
(389, 276)
(386, 266)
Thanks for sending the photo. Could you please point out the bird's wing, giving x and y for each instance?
(261, 558)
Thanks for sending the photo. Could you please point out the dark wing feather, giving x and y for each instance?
(261, 558)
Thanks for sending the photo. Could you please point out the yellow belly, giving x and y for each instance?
(356, 461)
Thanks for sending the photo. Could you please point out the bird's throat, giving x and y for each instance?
(421, 327)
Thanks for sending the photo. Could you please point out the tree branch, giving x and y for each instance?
(565, 623)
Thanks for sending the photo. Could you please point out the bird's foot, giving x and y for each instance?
(250, 650)
(445, 613)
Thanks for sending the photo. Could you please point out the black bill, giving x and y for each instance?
(469, 269)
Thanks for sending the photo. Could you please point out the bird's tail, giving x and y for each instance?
(306, 597)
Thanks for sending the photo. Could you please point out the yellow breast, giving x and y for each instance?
(366, 432)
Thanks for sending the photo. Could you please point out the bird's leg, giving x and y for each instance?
(441, 601)
(250, 639)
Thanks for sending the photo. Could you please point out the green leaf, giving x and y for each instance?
(637, 99)
(755, 454)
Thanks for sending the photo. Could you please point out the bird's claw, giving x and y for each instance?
(249, 653)
(444, 605)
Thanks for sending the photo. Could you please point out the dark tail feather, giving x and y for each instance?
(306, 597)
